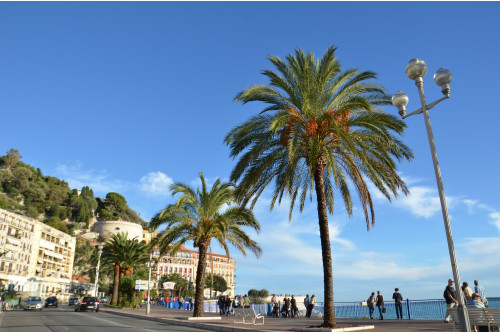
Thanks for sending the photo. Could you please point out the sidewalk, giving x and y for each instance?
(226, 324)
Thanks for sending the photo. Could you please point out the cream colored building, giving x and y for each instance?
(185, 263)
(36, 259)
(110, 227)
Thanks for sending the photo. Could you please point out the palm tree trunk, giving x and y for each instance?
(200, 279)
(122, 273)
(116, 283)
(329, 311)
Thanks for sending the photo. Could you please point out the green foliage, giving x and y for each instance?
(56, 222)
(51, 196)
(219, 284)
(10, 160)
(257, 296)
(154, 293)
(115, 207)
(32, 211)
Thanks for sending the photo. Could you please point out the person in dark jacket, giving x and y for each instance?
(222, 304)
(398, 298)
(380, 304)
(294, 309)
(228, 305)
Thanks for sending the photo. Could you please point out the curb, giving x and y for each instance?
(344, 329)
(211, 327)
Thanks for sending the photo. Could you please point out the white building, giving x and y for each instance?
(110, 227)
(35, 259)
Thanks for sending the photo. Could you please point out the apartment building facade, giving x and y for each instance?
(185, 263)
(35, 259)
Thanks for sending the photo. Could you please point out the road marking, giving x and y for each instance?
(121, 325)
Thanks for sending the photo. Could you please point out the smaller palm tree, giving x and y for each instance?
(112, 253)
(202, 216)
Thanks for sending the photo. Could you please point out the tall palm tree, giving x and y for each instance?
(202, 216)
(321, 129)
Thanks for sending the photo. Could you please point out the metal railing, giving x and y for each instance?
(412, 309)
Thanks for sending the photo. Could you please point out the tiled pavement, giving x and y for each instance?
(180, 317)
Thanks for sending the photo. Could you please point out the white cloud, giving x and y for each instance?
(155, 184)
(495, 216)
(98, 181)
(422, 202)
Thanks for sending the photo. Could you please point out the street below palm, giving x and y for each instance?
(64, 319)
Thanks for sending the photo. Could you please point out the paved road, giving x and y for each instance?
(64, 319)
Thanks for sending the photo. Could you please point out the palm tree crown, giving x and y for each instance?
(322, 129)
(201, 216)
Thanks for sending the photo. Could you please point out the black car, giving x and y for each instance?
(87, 304)
(73, 301)
(51, 301)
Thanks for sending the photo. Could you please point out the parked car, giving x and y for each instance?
(73, 301)
(33, 303)
(51, 301)
(104, 300)
(86, 304)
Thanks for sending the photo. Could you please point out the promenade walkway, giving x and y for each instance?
(179, 317)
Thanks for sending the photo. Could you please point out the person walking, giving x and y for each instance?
(310, 308)
(228, 305)
(450, 295)
(370, 302)
(398, 299)
(285, 310)
(275, 305)
(246, 302)
(293, 305)
(480, 290)
(380, 304)
(306, 303)
(222, 304)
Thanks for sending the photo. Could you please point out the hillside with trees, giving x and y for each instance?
(25, 190)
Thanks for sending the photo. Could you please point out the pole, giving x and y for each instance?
(149, 282)
(97, 271)
(462, 311)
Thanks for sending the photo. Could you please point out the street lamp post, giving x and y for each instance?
(149, 281)
(416, 70)
(97, 270)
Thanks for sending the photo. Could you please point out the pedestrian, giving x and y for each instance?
(312, 303)
(475, 302)
(380, 304)
(479, 289)
(370, 302)
(222, 304)
(228, 305)
(450, 295)
(1, 304)
(306, 303)
(180, 300)
(398, 298)
(467, 292)
(275, 305)
(285, 310)
(191, 304)
(246, 302)
(293, 305)
(236, 302)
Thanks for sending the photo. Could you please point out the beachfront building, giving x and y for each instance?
(35, 259)
(185, 263)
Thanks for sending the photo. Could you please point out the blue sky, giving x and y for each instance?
(130, 97)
